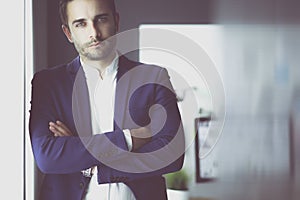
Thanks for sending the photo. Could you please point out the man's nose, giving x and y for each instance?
(94, 32)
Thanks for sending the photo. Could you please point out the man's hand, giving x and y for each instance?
(140, 137)
(59, 129)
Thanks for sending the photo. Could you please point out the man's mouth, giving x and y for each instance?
(95, 44)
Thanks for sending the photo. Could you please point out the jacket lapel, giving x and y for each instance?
(122, 91)
(80, 99)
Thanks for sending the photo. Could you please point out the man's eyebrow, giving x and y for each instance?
(101, 15)
(96, 17)
(78, 21)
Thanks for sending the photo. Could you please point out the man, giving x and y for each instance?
(102, 126)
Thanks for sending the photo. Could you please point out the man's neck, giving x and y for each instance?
(100, 65)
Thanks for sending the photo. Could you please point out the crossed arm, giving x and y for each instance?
(139, 136)
(58, 151)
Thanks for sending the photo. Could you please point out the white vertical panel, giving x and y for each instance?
(12, 98)
(29, 160)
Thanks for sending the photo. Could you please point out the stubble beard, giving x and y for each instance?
(106, 48)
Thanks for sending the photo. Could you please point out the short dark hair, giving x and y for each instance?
(63, 9)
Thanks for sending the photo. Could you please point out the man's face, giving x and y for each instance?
(91, 23)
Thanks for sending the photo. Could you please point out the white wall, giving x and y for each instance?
(16, 72)
(185, 75)
(260, 68)
(12, 98)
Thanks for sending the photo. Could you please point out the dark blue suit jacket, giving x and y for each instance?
(61, 93)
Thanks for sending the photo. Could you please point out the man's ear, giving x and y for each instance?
(67, 32)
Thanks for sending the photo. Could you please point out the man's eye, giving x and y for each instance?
(102, 19)
(80, 24)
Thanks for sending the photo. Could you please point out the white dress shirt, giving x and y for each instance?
(102, 89)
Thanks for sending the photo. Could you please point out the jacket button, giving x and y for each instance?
(81, 185)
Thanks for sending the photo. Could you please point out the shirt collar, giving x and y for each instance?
(110, 69)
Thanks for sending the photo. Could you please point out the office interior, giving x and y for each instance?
(254, 46)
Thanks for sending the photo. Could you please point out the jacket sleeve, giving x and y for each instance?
(165, 153)
(60, 155)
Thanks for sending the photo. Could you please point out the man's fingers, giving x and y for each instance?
(64, 128)
(141, 132)
(55, 131)
(140, 137)
(59, 129)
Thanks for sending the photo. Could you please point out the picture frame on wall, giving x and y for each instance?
(206, 163)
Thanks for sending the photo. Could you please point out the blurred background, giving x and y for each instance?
(255, 48)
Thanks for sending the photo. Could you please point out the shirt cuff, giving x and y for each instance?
(128, 139)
